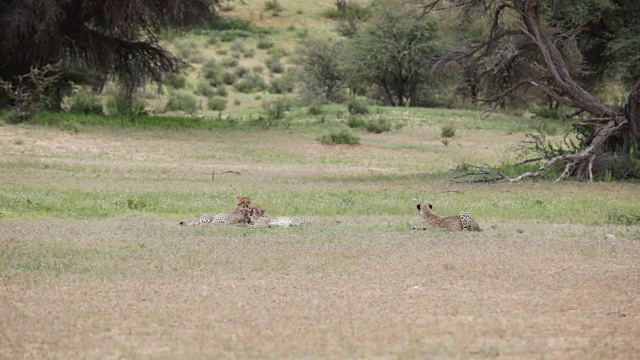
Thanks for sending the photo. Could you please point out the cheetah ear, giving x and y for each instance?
(430, 206)
(418, 207)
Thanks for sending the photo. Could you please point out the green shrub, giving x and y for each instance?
(547, 113)
(231, 35)
(355, 122)
(250, 83)
(115, 106)
(182, 101)
(273, 114)
(352, 10)
(448, 131)
(281, 85)
(237, 46)
(264, 44)
(217, 104)
(249, 53)
(222, 91)
(273, 6)
(86, 102)
(316, 109)
(357, 107)
(274, 65)
(176, 81)
(339, 137)
(204, 89)
(229, 62)
(211, 64)
(241, 71)
(378, 126)
(228, 78)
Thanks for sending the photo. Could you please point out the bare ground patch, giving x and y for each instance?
(140, 287)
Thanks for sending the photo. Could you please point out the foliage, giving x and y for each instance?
(339, 137)
(448, 131)
(176, 81)
(250, 83)
(321, 70)
(136, 107)
(357, 107)
(217, 104)
(119, 39)
(273, 114)
(86, 102)
(274, 65)
(264, 44)
(182, 101)
(392, 53)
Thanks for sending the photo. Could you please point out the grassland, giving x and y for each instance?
(93, 263)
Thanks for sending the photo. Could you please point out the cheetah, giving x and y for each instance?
(260, 219)
(239, 216)
(462, 222)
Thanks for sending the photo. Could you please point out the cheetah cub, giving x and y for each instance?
(462, 222)
(239, 216)
(259, 218)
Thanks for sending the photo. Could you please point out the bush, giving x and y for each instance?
(116, 107)
(357, 107)
(273, 5)
(249, 53)
(264, 44)
(241, 71)
(274, 65)
(86, 102)
(273, 114)
(250, 84)
(228, 78)
(316, 109)
(229, 62)
(352, 10)
(339, 137)
(222, 91)
(547, 113)
(237, 46)
(217, 104)
(176, 81)
(355, 122)
(231, 35)
(182, 101)
(378, 126)
(204, 89)
(448, 131)
(281, 85)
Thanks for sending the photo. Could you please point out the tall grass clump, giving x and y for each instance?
(217, 104)
(448, 131)
(339, 137)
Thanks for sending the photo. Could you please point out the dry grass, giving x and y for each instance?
(545, 279)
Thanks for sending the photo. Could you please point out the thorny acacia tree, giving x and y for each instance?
(113, 37)
(521, 52)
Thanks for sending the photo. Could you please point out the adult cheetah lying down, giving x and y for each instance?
(239, 216)
(259, 218)
(462, 222)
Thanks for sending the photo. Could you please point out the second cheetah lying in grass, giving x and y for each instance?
(259, 218)
(462, 222)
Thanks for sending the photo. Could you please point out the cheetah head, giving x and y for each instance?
(257, 212)
(425, 210)
(243, 202)
(424, 206)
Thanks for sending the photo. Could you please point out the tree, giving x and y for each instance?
(320, 66)
(112, 37)
(521, 49)
(392, 53)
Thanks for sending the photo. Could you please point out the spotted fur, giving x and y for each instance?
(259, 218)
(462, 222)
(239, 216)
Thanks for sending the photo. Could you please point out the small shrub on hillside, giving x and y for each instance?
(355, 122)
(217, 104)
(273, 5)
(176, 81)
(274, 65)
(87, 103)
(448, 131)
(258, 69)
(357, 107)
(241, 71)
(222, 52)
(229, 62)
(352, 10)
(276, 109)
(237, 46)
(213, 40)
(231, 35)
(115, 106)
(277, 53)
(281, 85)
(182, 101)
(339, 137)
(211, 64)
(222, 91)
(249, 53)
(250, 83)
(228, 78)
(204, 89)
(264, 44)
